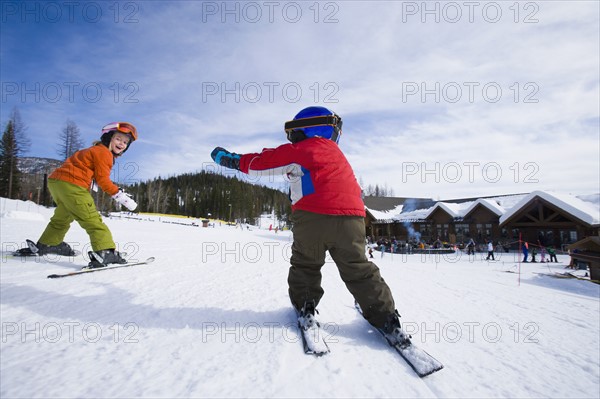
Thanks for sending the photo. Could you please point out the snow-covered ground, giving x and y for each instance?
(211, 318)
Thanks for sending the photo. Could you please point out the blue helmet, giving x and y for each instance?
(315, 122)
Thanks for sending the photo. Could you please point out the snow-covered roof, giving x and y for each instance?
(504, 206)
(386, 215)
(489, 204)
(586, 211)
(413, 216)
(508, 201)
(453, 209)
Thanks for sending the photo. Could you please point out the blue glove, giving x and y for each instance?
(225, 158)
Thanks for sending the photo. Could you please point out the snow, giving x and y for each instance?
(452, 209)
(490, 204)
(386, 215)
(22, 215)
(211, 318)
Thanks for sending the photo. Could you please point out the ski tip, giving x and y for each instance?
(429, 372)
(317, 354)
(53, 276)
(150, 259)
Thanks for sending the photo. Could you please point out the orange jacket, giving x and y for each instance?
(80, 168)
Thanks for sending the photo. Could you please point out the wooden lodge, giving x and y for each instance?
(538, 217)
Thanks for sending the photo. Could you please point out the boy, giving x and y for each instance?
(328, 215)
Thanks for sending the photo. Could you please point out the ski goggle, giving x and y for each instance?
(326, 120)
(123, 127)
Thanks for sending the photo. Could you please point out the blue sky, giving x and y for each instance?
(439, 99)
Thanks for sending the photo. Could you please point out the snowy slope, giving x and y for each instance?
(211, 318)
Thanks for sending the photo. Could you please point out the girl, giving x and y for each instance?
(70, 188)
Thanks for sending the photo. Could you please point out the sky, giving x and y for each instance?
(439, 99)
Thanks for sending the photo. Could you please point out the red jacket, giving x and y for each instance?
(321, 179)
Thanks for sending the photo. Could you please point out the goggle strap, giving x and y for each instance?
(122, 127)
(326, 120)
(336, 135)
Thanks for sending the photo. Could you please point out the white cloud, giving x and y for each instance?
(202, 83)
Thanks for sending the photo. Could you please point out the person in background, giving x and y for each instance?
(471, 247)
(490, 249)
(552, 253)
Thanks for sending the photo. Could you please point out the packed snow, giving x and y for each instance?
(211, 318)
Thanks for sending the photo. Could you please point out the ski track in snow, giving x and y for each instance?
(211, 318)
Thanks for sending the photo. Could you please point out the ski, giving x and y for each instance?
(25, 254)
(566, 275)
(313, 338)
(99, 269)
(420, 361)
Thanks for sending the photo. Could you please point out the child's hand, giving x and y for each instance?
(225, 158)
(125, 199)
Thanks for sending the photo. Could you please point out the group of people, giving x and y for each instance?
(527, 253)
(471, 247)
(394, 246)
(488, 245)
(550, 250)
(327, 210)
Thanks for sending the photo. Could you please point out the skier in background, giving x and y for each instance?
(471, 247)
(490, 249)
(552, 253)
(328, 215)
(70, 187)
(525, 251)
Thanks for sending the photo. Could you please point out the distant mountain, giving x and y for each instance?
(34, 165)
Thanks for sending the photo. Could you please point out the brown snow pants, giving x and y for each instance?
(344, 238)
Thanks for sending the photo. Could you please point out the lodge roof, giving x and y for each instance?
(386, 208)
(386, 204)
(585, 211)
(503, 206)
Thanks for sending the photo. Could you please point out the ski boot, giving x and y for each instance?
(40, 249)
(306, 319)
(104, 257)
(30, 250)
(394, 333)
(62, 249)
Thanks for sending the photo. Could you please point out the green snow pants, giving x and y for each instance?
(344, 238)
(75, 203)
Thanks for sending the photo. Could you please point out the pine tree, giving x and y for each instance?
(23, 142)
(70, 140)
(9, 173)
(204, 193)
(14, 144)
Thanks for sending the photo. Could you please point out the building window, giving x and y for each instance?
(488, 230)
(568, 236)
(549, 237)
(442, 231)
(462, 231)
(425, 232)
(479, 227)
(573, 236)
